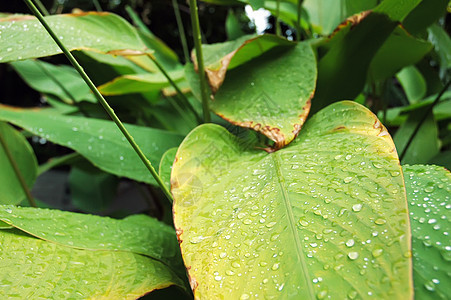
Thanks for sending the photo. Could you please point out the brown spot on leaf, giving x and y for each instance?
(179, 232)
(338, 128)
(126, 52)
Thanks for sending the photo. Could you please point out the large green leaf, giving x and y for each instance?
(24, 37)
(413, 83)
(138, 234)
(325, 216)
(269, 94)
(218, 58)
(61, 81)
(428, 192)
(83, 256)
(99, 141)
(399, 50)
(11, 191)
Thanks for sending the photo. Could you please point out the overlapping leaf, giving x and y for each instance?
(325, 216)
(83, 256)
(428, 192)
(269, 94)
(11, 191)
(99, 141)
(24, 37)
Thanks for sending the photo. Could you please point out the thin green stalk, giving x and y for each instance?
(97, 5)
(200, 60)
(181, 29)
(428, 111)
(19, 176)
(298, 22)
(276, 21)
(180, 94)
(100, 98)
(137, 21)
(41, 7)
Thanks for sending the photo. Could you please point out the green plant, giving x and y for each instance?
(293, 193)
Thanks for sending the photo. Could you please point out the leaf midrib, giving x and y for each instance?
(292, 223)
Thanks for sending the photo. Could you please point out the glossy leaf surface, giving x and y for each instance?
(428, 192)
(24, 37)
(165, 170)
(11, 191)
(325, 216)
(137, 234)
(218, 58)
(99, 141)
(277, 110)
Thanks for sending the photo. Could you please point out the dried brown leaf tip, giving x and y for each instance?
(353, 20)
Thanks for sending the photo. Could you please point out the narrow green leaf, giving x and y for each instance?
(413, 83)
(25, 37)
(91, 190)
(425, 144)
(129, 84)
(51, 270)
(396, 10)
(428, 192)
(11, 192)
(60, 81)
(424, 15)
(98, 141)
(138, 234)
(325, 216)
(442, 45)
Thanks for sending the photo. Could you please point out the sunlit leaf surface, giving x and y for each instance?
(428, 192)
(325, 216)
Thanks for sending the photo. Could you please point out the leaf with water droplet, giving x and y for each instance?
(428, 193)
(35, 268)
(277, 110)
(98, 31)
(11, 191)
(99, 141)
(220, 205)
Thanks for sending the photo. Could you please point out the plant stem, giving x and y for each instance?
(100, 98)
(200, 60)
(298, 22)
(428, 111)
(276, 21)
(181, 28)
(16, 169)
(97, 5)
(41, 7)
(180, 94)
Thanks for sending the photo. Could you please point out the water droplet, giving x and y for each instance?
(348, 179)
(350, 243)
(380, 221)
(218, 278)
(352, 294)
(429, 189)
(303, 222)
(321, 294)
(275, 266)
(223, 255)
(377, 252)
(236, 264)
(271, 224)
(357, 207)
(353, 255)
(244, 297)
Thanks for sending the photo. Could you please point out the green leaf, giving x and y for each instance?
(277, 110)
(233, 26)
(84, 256)
(99, 141)
(396, 10)
(425, 144)
(399, 50)
(428, 192)
(91, 190)
(25, 37)
(221, 57)
(11, 192)
(60, 81)
(138, 234)
(442, 159)
(424, 15)
(167, 160)
(413, 83)
(325, 216)
(442, 45)
(130, 84)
